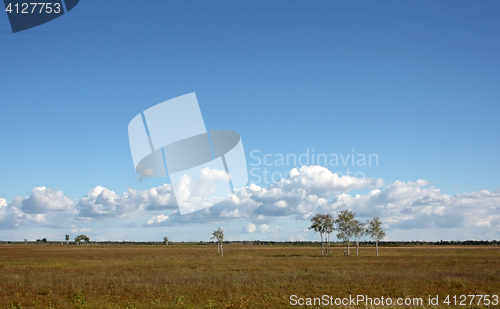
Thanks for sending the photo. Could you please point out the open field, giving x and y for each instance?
(248, 276)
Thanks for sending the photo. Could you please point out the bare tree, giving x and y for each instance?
(67, 239)
(329, 227)
(219, 236)
(375, 230)
(358, 231)
(165, 240)
(317, 224)
(344, 227)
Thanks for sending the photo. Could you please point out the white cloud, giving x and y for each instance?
(103, 203)
(302, 191)
(249, 228)
(43, 200)
(194, 192)
(12, 215)
(407, 205)
(263, 228)
(402, 206)
(157, 220)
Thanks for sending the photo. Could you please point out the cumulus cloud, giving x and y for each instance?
(249, 228)
(206, 188)
(43, 200)
(100, 202)
(302, 193)
(407, 205)
(157, 220)
(11, 216)
(51, 208)
(263, 228)
(309, 190)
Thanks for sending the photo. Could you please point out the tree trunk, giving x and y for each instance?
(326, 244)
(376, 245)
(329, 252)
(357, 248)
(348, 248)
(67, 242)
(321, 244)
(221, 250)
(218, 247)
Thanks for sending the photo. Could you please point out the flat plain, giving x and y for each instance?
(247, 276)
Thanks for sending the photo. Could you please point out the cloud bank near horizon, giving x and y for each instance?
(303, 192)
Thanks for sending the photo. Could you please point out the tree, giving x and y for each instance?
(82, 237)
(44, 240)
(219, 236)
(165, 240)
(329, 227)
(358, 231)
(318, 225)
(25, 241)
(375, 230)
(67, 239)
(344, 226)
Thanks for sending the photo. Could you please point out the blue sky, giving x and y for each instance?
(415, 83)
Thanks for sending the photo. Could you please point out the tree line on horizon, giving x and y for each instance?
(346, 225)
(386, 243)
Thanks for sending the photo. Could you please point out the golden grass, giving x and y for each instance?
(190, 276)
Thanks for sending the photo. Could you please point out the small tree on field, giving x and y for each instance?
(318, 226)
(44, 240)
(358, 231)
(67, 239)
(25, 241)
(81, 238)
(165, 240)
(329, 227)
(344, 227)
(375, 230)
(219, 236)
(77, 240)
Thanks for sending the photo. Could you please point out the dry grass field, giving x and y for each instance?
(248, 276)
